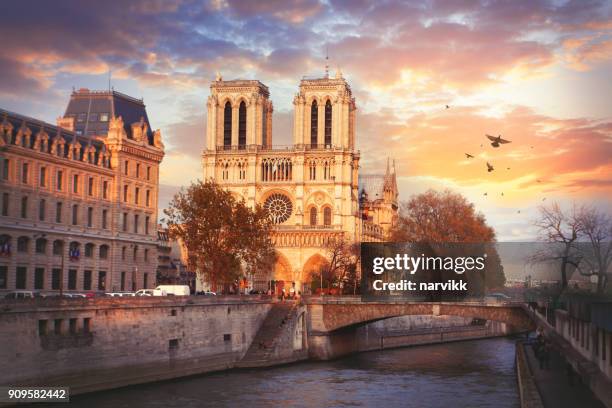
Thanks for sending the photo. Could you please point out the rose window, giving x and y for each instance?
(279, 207)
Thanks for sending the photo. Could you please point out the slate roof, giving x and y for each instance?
(373, 185)
(92, 111)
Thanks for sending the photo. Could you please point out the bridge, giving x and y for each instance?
(333, 322)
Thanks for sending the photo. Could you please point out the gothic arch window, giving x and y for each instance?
(327, 216)
(313, 216)
(314, 123)
(328, 123)
(326, 170)
(279, 207)
(312, 167)
(277, 169)
(242, 122)
(227, 124)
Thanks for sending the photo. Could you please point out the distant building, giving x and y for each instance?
(78, 202)
(172, 264)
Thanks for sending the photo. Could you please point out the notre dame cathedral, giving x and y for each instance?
(312, 189)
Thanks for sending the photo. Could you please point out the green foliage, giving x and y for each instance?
(224, 238)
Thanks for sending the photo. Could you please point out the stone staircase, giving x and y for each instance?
(263, 344)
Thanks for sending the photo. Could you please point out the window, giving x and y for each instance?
(242, 120)
(227, 124)
(137, 169)
(327, 216)
(5, 169)
(313, 170)
(124, 226)
(148, 172)
(126, 167)
(328, 123)
(22, 244)
(86, 280)
(58, 247)
(75, 183)
(59, 180)
(72, 279)
(24, 173)
(72, 324)
(39, 278)
(227, 338)
(89, 250)
(90, 186)
(173, 344)
(145, 280)
(20, 279)
(146, 225)
(136, 222)
(55, 278)
(123, 252)
(41, 210)
(43, 177)
(75, 214)
(101, 280)
(93, 117)
(135, 255)
(24, 207)
(87, 325)
(103, 251)
(41, 246)
(313, 216)
(314, 123)
(90, 211)
(136, 195)
(125, 193)
(105, 189)
(148, 198)
(122, 281)
(104, 117)
(5, 204)
(3, 276)
(42, 327)
(81, 117)
(57, 326)
(58, 212)
(104, 219)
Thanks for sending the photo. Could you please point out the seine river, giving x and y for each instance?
(464, 374)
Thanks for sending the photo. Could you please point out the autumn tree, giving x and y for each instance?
(447, 217)
(224, 238)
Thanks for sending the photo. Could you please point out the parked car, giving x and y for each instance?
(22, 294)
(206, 293)
(175, 290)
(497, 297)
(150, 292)
(120, 294)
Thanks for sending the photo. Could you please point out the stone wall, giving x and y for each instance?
(103, 343)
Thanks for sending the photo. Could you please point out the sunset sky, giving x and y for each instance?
(537, 72)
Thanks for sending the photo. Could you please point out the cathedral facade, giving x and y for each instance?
(311, 188)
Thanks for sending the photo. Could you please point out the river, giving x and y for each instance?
(464, 374)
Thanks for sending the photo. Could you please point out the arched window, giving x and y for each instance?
(314, 123)
(22, 244)
(227, 124)
(103, 251)
(74, 251)
(41, 246)
(242, 122)
(89, 250)
(313, 216)
(58, 247)
(328, 123)
(327, 216)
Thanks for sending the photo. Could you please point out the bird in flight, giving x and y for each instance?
(539, 181)
(486, 194)
(496, 141)
(508, 168)
(447, 107)
(519, 211)
(468, 156)
(502, 194)
(490, 168)
(544, 199)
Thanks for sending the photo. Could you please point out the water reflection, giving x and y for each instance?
(465, 374)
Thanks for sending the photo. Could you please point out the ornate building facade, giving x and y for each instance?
(310, 188)
(79, 200)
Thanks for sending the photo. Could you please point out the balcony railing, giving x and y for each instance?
(276, 148)
(307, 227)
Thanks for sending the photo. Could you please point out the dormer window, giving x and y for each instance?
(104, 117)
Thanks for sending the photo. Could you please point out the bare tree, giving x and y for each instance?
(597, 256)
(342, 257)
(563, 228)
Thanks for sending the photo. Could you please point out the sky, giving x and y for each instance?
(537, 72)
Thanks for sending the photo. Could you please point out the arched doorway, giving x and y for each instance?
(282, 274)
(313, 267)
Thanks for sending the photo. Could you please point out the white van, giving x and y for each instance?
(150, 292)
(175, 290)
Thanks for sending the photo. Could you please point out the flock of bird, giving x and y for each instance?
(496, 142)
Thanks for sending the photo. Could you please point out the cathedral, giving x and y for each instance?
(312, 189)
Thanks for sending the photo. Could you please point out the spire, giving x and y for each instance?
(393, 166)
(387, 172)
